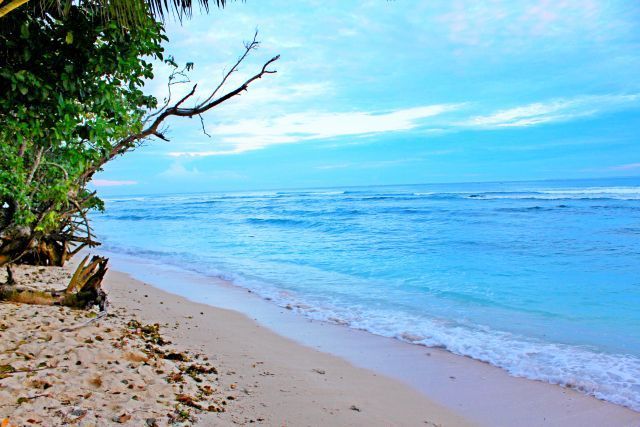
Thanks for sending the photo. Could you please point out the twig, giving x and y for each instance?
(202, 124)
(248, 47)
(27, 398)
(22, 371)
(87, 323)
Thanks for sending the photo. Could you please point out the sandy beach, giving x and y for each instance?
(337, 213)
(260, 376)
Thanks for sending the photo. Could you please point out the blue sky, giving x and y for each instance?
(392, 92)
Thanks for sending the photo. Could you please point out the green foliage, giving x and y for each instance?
(130, 12)
(70, 89)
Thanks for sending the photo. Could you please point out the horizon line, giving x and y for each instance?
(376, 185)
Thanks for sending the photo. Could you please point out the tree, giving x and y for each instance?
(72, 100)
(123, 11)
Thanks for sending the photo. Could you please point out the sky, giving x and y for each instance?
(382, 92)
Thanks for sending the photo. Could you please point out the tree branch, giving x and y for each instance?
(179, 111)
(170, 83)
(64, 171)
(36, 163)
(248, 47)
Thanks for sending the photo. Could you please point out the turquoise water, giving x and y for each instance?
(539, 278)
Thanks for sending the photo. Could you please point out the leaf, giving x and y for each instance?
(124, 418)
(7, 369)
(69, 38)
(24, 30)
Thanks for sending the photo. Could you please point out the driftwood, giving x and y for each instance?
(85, 284)
(84, 289)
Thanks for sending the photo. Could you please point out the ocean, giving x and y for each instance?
(539, 278)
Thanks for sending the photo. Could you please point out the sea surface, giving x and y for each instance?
(539, 278)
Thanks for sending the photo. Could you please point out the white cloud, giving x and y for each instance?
(512, 24)
(112, 183)
(177, 170)
(273, 97)
(252, 134)
(375, 164)
(558, 110)
(240, 136)
(629, 166)
(334, 166)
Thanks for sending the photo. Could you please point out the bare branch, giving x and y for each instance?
(202, 124)
(248, 47)
(187, 96)
(179, 111)
(83, 214)
(161, 136)
(170, 83)
(190, 112)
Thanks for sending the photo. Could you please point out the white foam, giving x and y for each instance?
(611, 377)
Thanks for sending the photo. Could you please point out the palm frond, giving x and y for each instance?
(124, 11)
(180, 8)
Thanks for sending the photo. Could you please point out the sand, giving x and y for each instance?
(104, 373)
(282, 383)
(272, 380)
(472, 389)
(60, 366)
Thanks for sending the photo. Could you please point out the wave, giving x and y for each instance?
(598, 190)
(607, 376)
(133, 217)
(278, 221)
(385, 238)
(604, 193)
(310, 193)
(611, 377)
(526, 209)
(203, 203)
(579, 194)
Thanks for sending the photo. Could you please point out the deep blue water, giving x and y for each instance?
(539, 278)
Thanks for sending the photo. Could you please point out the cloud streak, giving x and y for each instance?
(112, 182)
(559, 110)
(627, 167)
(241, 136)
(253, 134)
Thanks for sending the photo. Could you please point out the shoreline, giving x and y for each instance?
(282, 382)
(475, 390)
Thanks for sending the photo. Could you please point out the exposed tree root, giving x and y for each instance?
(84, 289)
